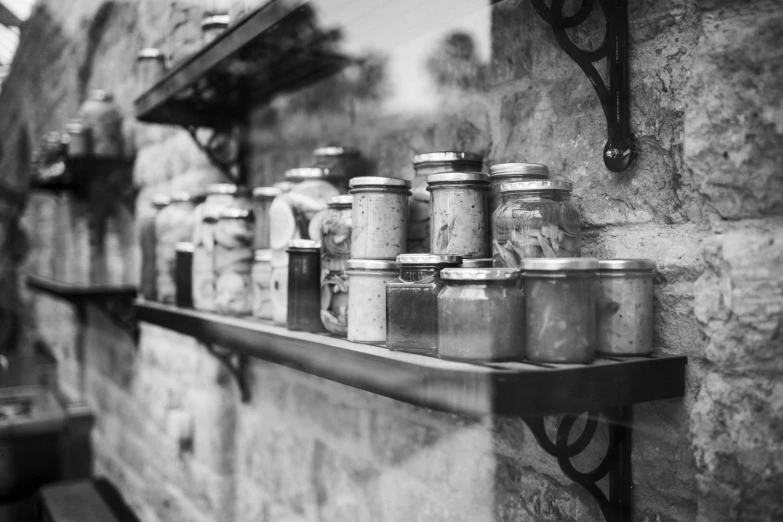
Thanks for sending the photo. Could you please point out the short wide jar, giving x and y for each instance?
(367, 299)
(379, 223)
(481, 315)
(560, 316)
(459, 221)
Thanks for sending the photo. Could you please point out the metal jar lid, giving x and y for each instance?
(183, 197)
(480, 262)
(444, 156)
(528, 170)
(378, 181)
(428, 259)
(458, 177)
(607, 265)
(185, 247)
(235, 213)
(343, 200)
(536, 186)
(479, 274)
(371, 264)
(561, 264)
(304, 173)
(212, 21)
(266, 192)
(304, 244)
(160, 200)
(263, 255)
(222, 188)
(151, 53)
(336, 150)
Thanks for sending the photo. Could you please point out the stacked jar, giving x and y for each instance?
(335, 253)
(459, 221)
(509, 173)
(233, 235)
(174, 224)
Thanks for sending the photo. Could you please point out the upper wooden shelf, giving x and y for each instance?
(274, 49)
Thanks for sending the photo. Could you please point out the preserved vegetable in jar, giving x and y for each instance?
(102, 117)
(459, 222)
(379, 221)
(262, 200)
(234, 261)
(511, 172)
(560, 313)
(535, 219)
(173, 224)
(304, 286)
(367, 299)
(149, 245)
(335, 252)
(262, 280)
(184, 275)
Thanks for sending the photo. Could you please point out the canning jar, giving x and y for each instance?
(278, 287)
(184, 274)
(335, 252)
(304, 286)
(77, 140)
(367, 299)
(262, 200)
(102, 117)
(379, 221)
(151, 67)
(510, 172)
(412, 302)
(459, 222)
(425, 165)
(560, 314)
(262, 280)
(624, 299)
(234, 261)
(535, 219)
(481, 315)
(213, 25)
(343, 162)
(173, 224)
(479, 262)
(148, 244)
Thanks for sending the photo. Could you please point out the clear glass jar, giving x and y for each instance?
(262, 281)
(184, 274)
(342, 162)
(379, 221)
(234, 261)
(536, 219)
(335, 252)
(481, 315)
(560, 312)
(624, 299)
(173, 224)
(511, 172)
(425, 165)
(213, 25)
(412, 303)
(459, 221)
(77, 140)
(102, 117)
(367, 299)
(278, 287)
(148, 281)
(262, 200)
(151, 67)
(304, 286)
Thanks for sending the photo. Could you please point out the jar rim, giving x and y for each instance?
(336, 150)
(150, 53)
(479, 274)
(182, 197)
(478, 262)
(536, 185)
(215, 20)
(380, 265)
(304, 173)
(559, 264)
(378, 181)
(458, 177)
(266, 192)
(499, 170)
(184, 246)
(606, 265)
(262, 254)
(235, 213)
(339, 201)
(160, 200)
(304, 244)
(428, 259)
(446, 155)
(222, 188)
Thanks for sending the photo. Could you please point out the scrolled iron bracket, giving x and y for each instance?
(619, 150)
(236, 364)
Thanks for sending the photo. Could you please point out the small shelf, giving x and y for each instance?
(272, 50)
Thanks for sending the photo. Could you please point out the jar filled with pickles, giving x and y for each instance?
(233, 235)
(535, 219)
(459, 222)
(511, 172)
(335, 252)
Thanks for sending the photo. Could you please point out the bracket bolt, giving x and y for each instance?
(613, 153)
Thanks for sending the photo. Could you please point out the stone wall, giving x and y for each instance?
(703, 199)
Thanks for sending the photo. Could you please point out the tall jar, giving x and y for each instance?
(367, 299)
(278, 287)
(184, 274)
(262, 279)
(262, 200)
(624, 296)
(459, 221)
(480, 315)
(151, 67)
(379, 221)
(335, 252)
(304, 286)
(173, 224)
(234, 261)
(560, 312)
(511, 172)
(412, 303)
(535, 219)
(149, 245)
(425, 165)
(102, 117)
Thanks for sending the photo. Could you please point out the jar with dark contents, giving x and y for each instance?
(379, 220)
(560, 311)
(509, 172)
(335, 252)
(148, 244)
(234, 261)
(184, 275)
(304, 286)
(213, 25)
(101, 115)
(151, 67)
(367, 299)
(459, 221)
(343, 162)
(77, 140)
(481, 315)
(173, 224)
(425, 165)
(412, 303)
(262, 200)
(535, 219)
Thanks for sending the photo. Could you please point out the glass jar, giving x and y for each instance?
(316, 182)
(151, 67)
(262, 200)
(262, 280)
(234, 261)
(511, 172)
(367, 299)
(480, 262)
(560, 314)
(77, 140)
(379, 221)
(412, 303)
(278, 287)
(184, 274)
(624, 299)
(459, 222)
(342, 162)
(102, 117)
(213, 25)
(425, 165)
(335, 252)
(535, 219)
(148, 281)
(173, 224)
(481, 315)
(304, 286)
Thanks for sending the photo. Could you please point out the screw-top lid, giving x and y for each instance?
(481, 262)
(626, 264)
(266, 192)
(183, 197)
(371, 264)
(100, 95)
(235, 213)
(151, 53)
(214, 20)
(263, 254)
(184, 246)
(304, 173)
(428, 259)
(433, 157)
(536, 186)
(222, 188)
(304, 244)
(550, 264)
(527, 170)
(336, 150)
(458, 177)
(343, 200)
(378, 181)
(479, 274)
(160, 200)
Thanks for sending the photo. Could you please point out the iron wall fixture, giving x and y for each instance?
(619, 150)
(236, 364)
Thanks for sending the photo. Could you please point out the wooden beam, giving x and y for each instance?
(8, 18)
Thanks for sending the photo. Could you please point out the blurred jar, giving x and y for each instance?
(53, 148)
(304, 286)
(102, 117)
(213, 25)
(151, 67)
(379, 219)
(234, 261)
(262, 200)
(459, 221)
(184, 274)
(511, 172)
(367, 299)
(342, 162)
(535, 219)
(278, 288)
(425, 165)
(262, 280)
(481, 262)
(173, 224)
(148, 244)
(335, 252)
(77, 140)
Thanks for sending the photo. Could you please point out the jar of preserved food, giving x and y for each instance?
(262, 200)
(262, 280)
(481, 315)
(151, 67)
(367, 299)
(173, 224)
(624, 298)
(342, 162)
(379, 221)
(148, 244)
(425, 165)
(102, 117)
(480, 262)
(560, 314)
(511, 172)
(304, 286)
(77, 140)
(335, 252)
(459, 222)
(184, 274)
(53, 148)
(213, 25)
(234, 261)
(412, 302)
(535, 219)
(278, 287)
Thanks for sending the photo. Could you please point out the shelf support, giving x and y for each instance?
(619, 150)
(616, 463)
(236, 364)
(219, 138)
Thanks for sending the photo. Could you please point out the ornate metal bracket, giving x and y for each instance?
(619, 150)
(616, 464)
(221, 151)
(120, 309)
(236, 364)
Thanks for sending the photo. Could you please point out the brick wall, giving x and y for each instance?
(704, 199)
